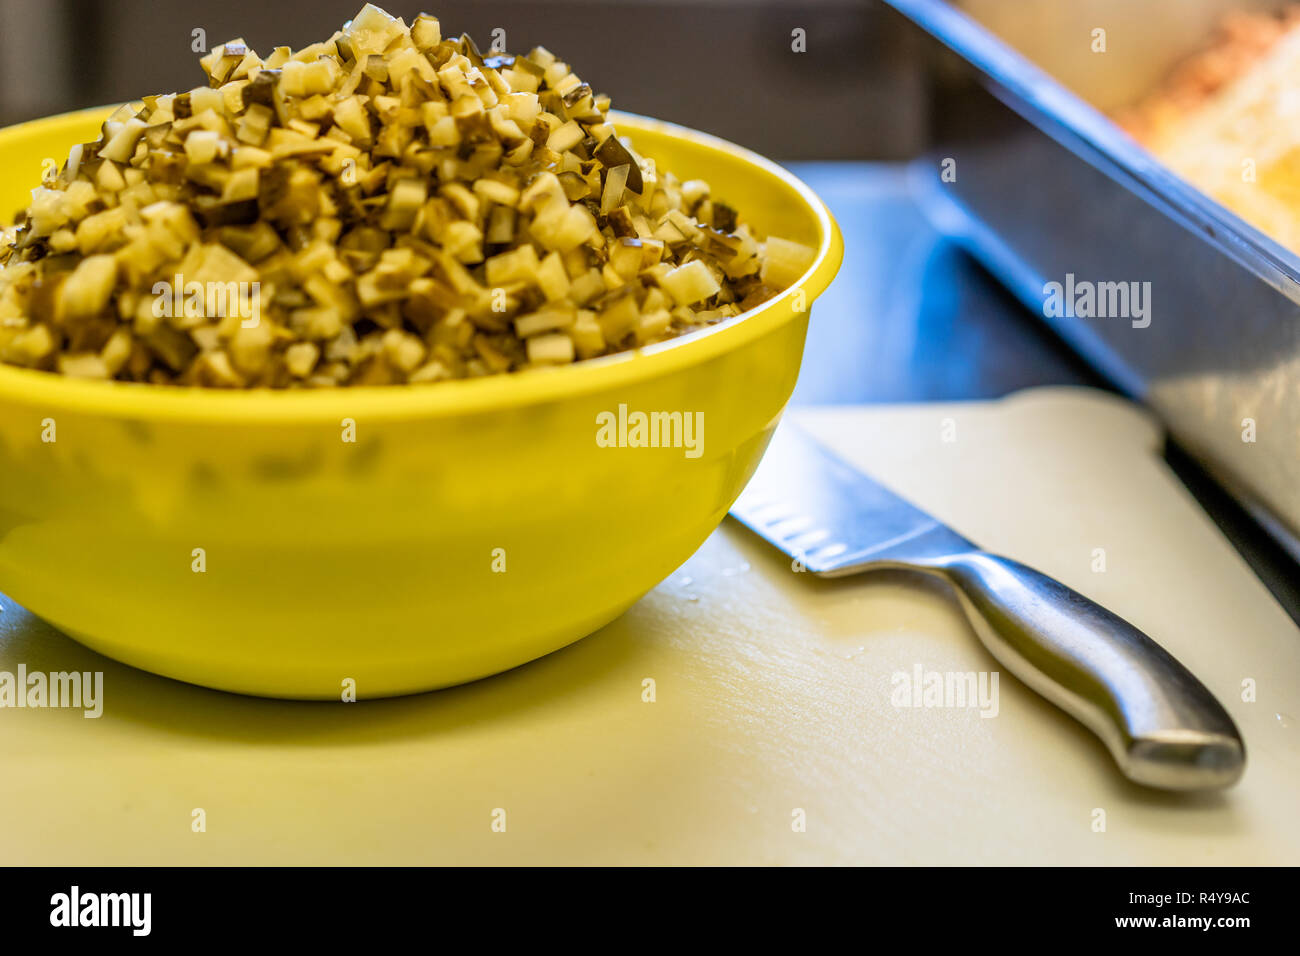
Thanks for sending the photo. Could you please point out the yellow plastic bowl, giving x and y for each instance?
(237, 540)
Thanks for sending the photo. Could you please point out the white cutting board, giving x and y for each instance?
(772, 703)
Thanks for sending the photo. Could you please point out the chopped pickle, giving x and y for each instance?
(389, 206)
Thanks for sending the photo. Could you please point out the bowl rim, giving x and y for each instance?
(140, 400)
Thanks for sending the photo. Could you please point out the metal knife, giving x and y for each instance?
(1161, 724)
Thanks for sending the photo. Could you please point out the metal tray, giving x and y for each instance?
(1046, 187)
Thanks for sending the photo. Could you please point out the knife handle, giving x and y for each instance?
(1161, 724)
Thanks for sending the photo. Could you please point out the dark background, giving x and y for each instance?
(721, 65)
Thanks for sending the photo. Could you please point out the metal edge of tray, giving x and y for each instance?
(1094, 140)
(1025, 283)
(1093, 137)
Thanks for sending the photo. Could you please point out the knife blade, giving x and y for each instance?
(1163, 728)
(831, 517)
